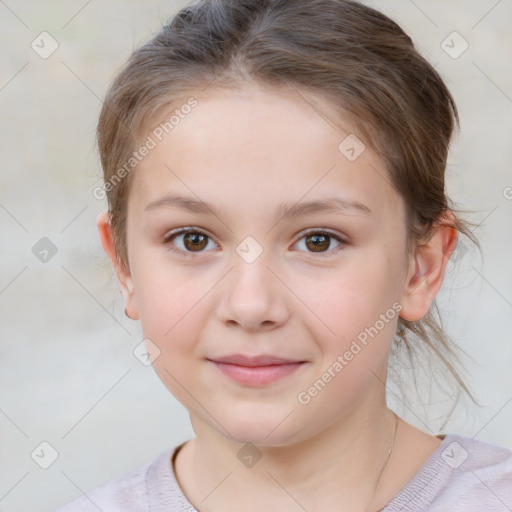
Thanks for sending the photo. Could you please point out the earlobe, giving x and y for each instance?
(123, 275)
(426, 272)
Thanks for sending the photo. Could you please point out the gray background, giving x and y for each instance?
(68, 376)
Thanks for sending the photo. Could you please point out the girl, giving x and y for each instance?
(278, 222)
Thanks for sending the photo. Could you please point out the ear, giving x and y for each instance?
(426, 270)
(124, 278)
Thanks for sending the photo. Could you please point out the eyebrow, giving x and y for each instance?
(284, 211)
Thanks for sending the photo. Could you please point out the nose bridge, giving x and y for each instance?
(250, 274)
(252, 296)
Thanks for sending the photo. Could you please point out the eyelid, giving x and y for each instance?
(185, 230)
(327, 231)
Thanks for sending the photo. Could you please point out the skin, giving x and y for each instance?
(246, 152)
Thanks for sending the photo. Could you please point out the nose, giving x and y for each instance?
(252, 297)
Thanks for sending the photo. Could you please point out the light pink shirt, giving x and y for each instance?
(462, 475)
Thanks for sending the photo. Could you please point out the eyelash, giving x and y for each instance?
(190, 254)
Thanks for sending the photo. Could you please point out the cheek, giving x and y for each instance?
(164, 293)
(351, 312)
(172, 316)
(169, 306)
(348, 298)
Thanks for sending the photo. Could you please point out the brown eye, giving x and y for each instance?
(320, 242)
(188, 241)
(317, 243)
(194, 241)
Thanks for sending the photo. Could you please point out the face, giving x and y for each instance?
(320, 287)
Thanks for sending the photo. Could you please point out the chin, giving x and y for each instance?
(265, 430)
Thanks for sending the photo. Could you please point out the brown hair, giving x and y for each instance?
(342, 50)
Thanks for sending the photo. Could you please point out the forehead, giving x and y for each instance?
(256, 148)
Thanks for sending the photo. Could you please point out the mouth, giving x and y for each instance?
(256, 371)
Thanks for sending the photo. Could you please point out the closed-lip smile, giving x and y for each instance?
(256, 370)
(260, 360)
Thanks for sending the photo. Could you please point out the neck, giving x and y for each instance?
(338, 468)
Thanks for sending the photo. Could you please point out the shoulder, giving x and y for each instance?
(463, 475)
(478, 471)
(122, 494)
(481, 453)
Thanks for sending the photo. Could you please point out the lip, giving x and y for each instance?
(260, 360)
(256, 370)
